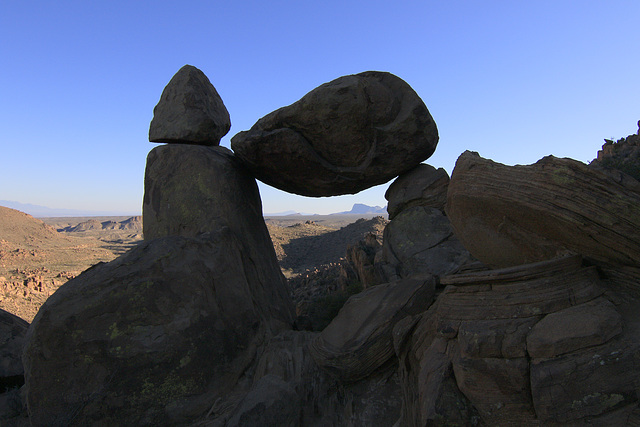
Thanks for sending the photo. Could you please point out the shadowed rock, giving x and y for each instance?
(190, 111)
(420, 240)
(423, 185)
(359, 339)
(537, 344)
(345, 136)
(510, 215)
(154, 337)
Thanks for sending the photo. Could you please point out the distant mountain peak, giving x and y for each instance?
(360, 208)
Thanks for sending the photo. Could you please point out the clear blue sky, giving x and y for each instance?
(512, 80)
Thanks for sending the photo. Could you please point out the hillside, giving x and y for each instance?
(35, 259)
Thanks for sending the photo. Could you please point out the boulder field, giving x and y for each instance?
(505, 295)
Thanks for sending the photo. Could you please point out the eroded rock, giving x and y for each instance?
(152, 337)
(512, 215)
(345, 136)
(190, 111)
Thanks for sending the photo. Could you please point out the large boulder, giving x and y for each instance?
(420, 240)
(190, 111)
(423, 185)
(359, 339)
(345, 136)
(511, 215)
(537, 344)
(153, 337)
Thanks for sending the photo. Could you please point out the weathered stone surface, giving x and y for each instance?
(12, 332)
(511, 215)
(190, 111)
(420, 240)
(192, 189)
(423, 185)
(359, 339)
(486, 326)
(153, 337)
(585, 325)
(319, 399)
(345, 136)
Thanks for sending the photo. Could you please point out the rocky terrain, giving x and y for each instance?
(502, 295)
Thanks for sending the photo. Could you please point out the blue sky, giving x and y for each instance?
(513, 80)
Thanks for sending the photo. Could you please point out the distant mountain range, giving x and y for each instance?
(359, 208)
(44, 212)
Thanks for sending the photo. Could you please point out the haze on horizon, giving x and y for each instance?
(513, 81)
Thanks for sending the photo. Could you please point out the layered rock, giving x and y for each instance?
(527, 345)
(359, 339)
(423, 185)
(511, 215)
(153, 337)
(345, 136)
(190, 111)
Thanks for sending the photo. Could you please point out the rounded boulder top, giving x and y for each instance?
(345, 136)
(190, 111)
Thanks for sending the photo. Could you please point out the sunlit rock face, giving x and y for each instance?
(345, 136)
(190, 111)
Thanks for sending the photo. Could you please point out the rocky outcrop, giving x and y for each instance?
(420, 240)
(190, 111)
(423, 185)
(526, 345)
(345, 136)
(359, 340)
(157, 335)
(290, 389)
(511, 215)
(622, 155)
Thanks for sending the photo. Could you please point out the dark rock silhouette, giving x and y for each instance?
(190, 111)
(345, 136)
(423, 185)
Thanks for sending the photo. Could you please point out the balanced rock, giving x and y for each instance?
(503, 347)
(423, 185)
(190, 111)
(511, 215)
(359, 339)
(345, 136)
(154, 337)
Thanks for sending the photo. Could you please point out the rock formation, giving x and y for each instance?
(511, 215)
(194, 326)
(423, 185)
(345, 136)
(526, 345)
(190, 111)
(12, 335)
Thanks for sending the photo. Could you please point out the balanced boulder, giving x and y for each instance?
(345, 136)
(190, 111)
(511, 215)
